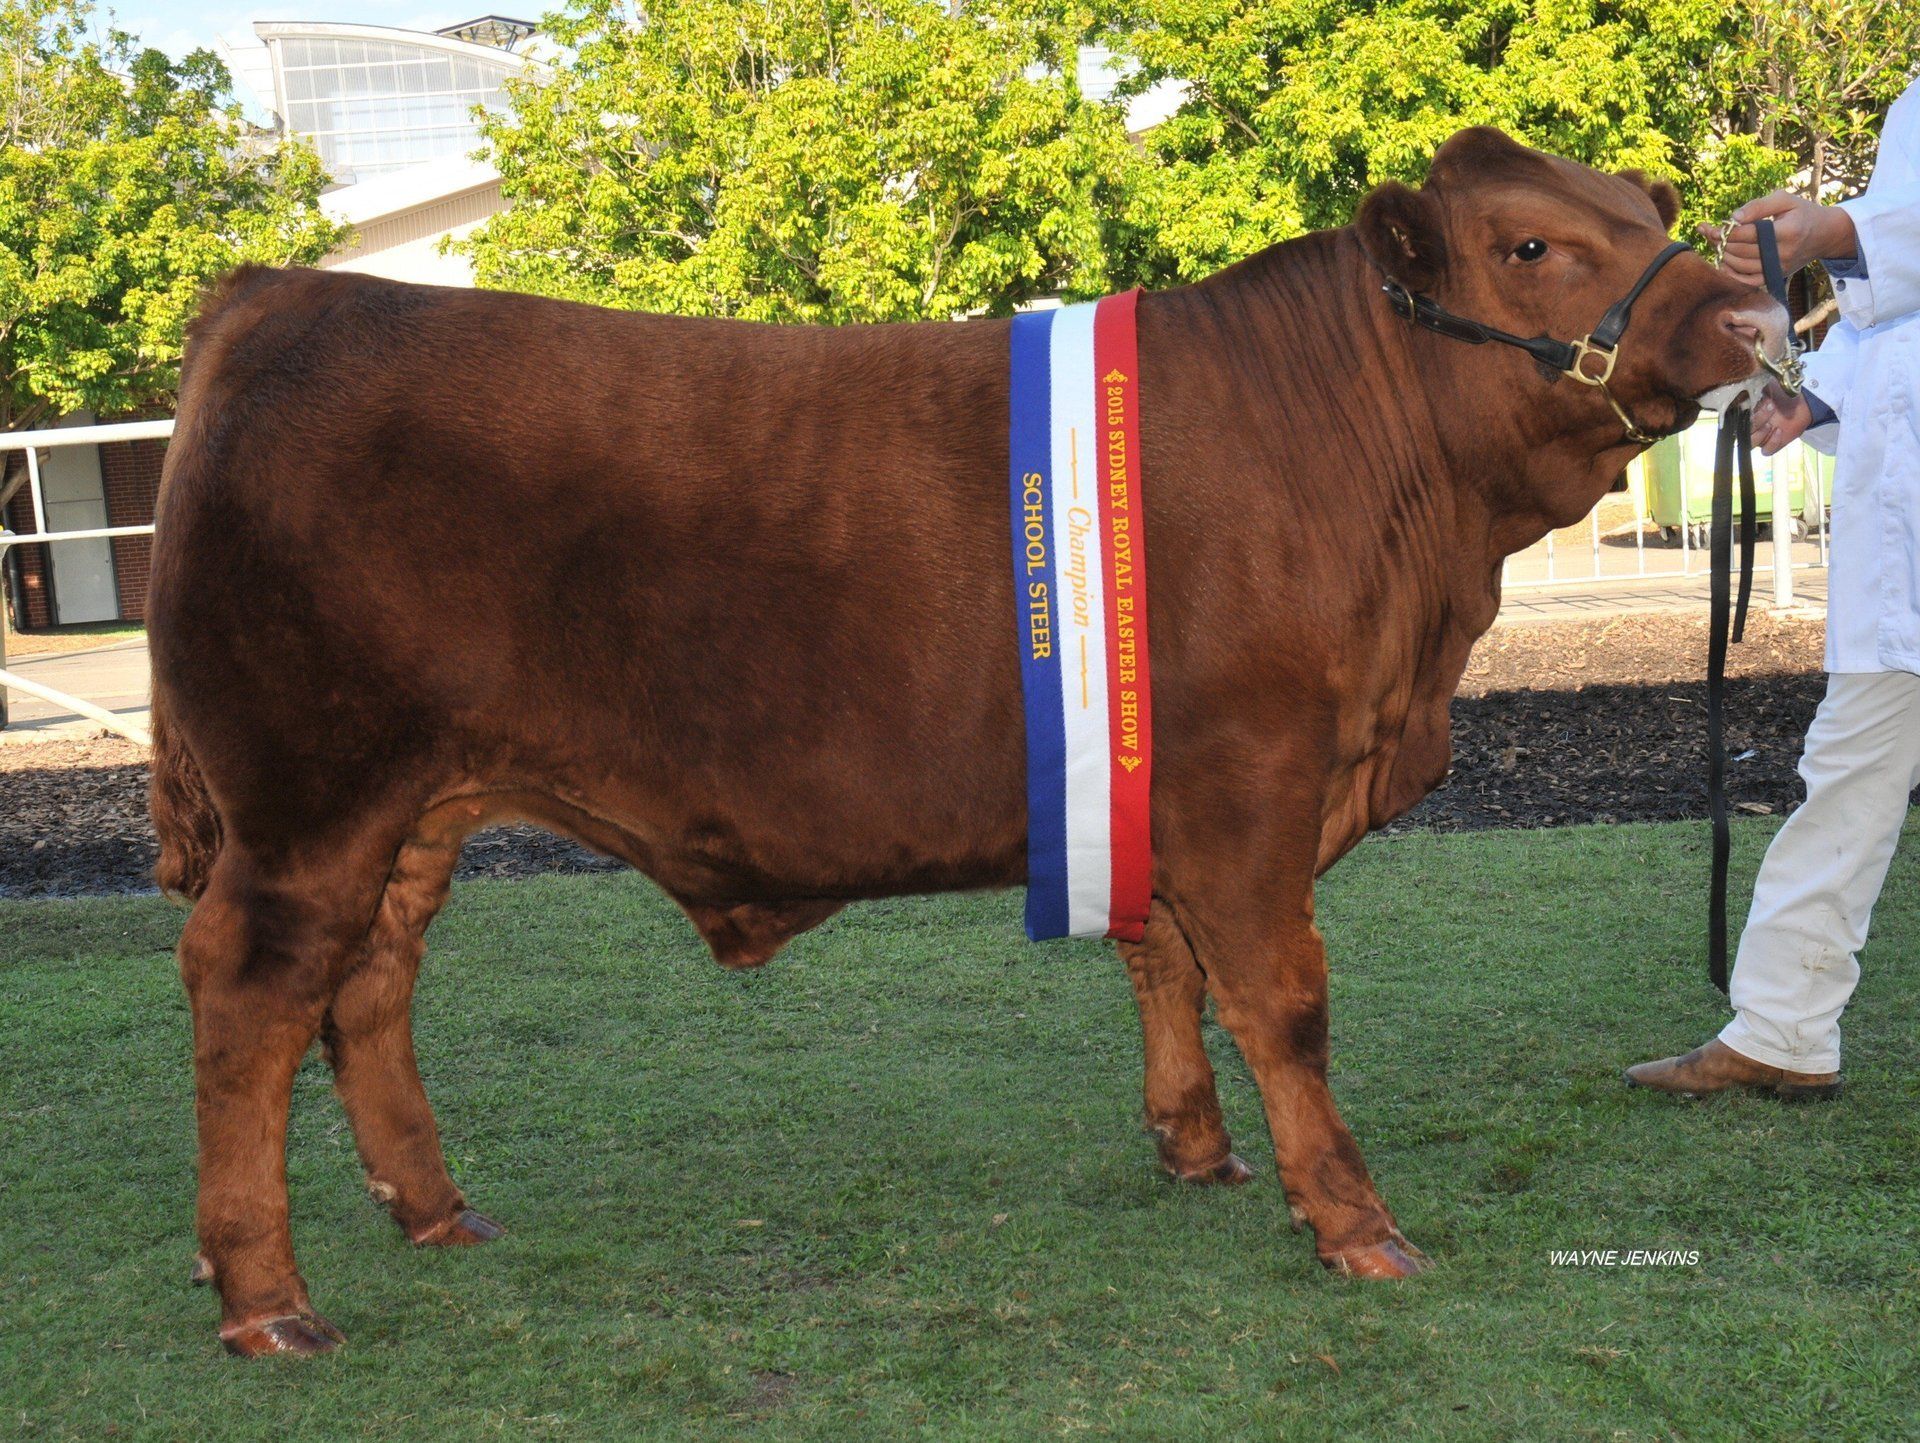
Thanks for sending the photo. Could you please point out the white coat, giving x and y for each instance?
(1868, 371)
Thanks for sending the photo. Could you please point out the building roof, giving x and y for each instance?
(501, 31)
(397, 191)
(388, 34)
(375, 99)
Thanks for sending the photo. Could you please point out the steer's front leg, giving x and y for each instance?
(1253, 935)
(1182, 1104)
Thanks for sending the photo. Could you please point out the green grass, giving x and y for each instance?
(889, 1187)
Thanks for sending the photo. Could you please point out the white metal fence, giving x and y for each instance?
(33, 443)
(1655, 531)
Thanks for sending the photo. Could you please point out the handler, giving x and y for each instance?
(1816, 889)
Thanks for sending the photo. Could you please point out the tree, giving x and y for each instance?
(126, 184)
(1295, 108)
(882, 159)
(834, 160)
(1813, 79)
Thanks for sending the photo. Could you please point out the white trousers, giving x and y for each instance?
(1815, 893)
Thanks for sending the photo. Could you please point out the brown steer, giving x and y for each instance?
(765, 648)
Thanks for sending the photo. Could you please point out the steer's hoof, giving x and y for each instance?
(1390, 1258)
(1230, 1171)
(465, 1229)
(303, 1335)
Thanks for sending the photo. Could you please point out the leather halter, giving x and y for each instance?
(1589, 360)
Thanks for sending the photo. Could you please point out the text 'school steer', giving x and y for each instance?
(753, 695)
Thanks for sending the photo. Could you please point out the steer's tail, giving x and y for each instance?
(183, 812)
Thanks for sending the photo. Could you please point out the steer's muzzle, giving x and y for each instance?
(1761, 321)
(1760, 327)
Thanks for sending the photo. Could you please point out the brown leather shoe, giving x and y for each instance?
(1717, 1067)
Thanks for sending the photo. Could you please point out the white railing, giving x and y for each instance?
(33, 442)
(1667, 490)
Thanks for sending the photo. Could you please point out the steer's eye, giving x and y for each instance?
(1529, 251)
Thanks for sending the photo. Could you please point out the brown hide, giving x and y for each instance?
(733, 602)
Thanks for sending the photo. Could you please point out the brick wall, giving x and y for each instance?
(131, 471)
(31, 561)
(1803, 294)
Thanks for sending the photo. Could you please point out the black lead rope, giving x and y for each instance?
(1735, 440)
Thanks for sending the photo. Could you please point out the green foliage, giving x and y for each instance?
(126, 184)
(1736, 170)
(1297, 107)
(884, 159)
(854, 160)
(1814, 77)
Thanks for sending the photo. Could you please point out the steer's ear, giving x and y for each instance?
(1400, 228)
(1666, 199)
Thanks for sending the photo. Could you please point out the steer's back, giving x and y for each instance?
(739, 589)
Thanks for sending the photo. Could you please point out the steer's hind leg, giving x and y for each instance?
(1182, 1105)
(368, 1036)
(1251, 929)
(261, 956)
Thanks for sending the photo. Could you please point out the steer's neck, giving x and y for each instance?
(1471, 441)
(1286, 354)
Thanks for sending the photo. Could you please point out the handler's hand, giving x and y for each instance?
(1806, 232)
(1779, 419)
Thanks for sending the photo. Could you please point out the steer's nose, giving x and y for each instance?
(1759, 319)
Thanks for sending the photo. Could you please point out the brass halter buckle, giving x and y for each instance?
(1607, 356)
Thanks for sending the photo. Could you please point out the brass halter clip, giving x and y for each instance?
(1789, 370)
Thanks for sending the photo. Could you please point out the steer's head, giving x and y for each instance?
(1533, 244)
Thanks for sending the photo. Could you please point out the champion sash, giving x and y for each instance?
(1079, 569)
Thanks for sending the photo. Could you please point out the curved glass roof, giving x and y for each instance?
(374, 100)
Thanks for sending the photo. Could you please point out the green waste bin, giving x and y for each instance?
(1660, 482)
(1677, 477)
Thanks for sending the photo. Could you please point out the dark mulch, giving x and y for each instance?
(73, 821)
(1564, 722)
(1556, 723)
